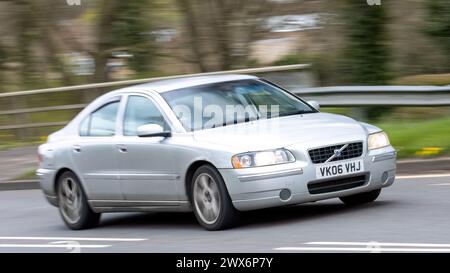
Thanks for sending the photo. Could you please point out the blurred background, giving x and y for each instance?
(59, 43)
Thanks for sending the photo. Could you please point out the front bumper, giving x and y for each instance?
(263, 187)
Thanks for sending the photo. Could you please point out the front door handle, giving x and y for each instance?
(122, 148)
(77, 148)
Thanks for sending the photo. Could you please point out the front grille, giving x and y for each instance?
(317, 187)
(321, 155)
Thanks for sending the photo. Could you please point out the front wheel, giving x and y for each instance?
(210, 200)
(361, 198)
(73, 205)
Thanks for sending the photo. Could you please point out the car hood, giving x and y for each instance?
(312, 130)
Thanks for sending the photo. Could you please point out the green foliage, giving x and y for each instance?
(366, 55)
(130, 29)
(290, 59)
(438, 22)
(321, 65)
(3, 54)
(27, 33)
(409, 137)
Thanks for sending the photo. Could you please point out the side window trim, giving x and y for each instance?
(121, 114)
(89, 123)
(115, 99)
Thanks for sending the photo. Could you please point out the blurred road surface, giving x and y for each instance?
(412, 215)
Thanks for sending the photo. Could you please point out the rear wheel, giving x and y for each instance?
(210, 200)
(72, 203)
(361, 198)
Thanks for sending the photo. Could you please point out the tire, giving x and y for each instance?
(361, 198)
(72, 203)
(210, 200)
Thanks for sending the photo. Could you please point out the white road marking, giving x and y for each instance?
(51, 246)
(422, 176)
(74, 239)
(441, 184)
(354, 249)
(369, 247)
(377, 244)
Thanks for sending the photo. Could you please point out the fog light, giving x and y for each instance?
(285, 195)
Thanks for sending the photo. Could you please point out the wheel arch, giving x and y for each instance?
(190, 174)
(58, 175)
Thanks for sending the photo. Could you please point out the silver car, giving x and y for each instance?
(214, 145)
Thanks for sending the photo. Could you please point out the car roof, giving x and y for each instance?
(178, 83)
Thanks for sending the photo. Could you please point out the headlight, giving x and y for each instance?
(378, 140)
(262, 158)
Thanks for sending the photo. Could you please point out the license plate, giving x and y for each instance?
(339, 168)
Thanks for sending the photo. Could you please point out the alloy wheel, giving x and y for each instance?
(70, 200)
(207, 198)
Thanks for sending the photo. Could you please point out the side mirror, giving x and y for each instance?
(314, 104)
(152, 130)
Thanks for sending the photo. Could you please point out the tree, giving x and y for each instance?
(220, 32)
(37, 42)
(366, 56)
(130, 30)
(123, 25)
(26, 34)
(438, 23)
(108, 10)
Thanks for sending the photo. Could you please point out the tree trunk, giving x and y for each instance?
(108, 10)
(193, 39)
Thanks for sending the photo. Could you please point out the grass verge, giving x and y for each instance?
(423, 138)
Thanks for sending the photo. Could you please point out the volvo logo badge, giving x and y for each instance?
(337, 153)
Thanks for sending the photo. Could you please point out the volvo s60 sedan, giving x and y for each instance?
(214, 145)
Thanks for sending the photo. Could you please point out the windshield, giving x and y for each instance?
(224, 103)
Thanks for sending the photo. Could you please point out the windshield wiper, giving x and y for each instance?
(299, 112)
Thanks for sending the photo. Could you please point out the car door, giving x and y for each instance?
(146, 164)
(94, 152)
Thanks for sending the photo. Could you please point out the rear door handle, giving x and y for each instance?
(77, 148)
(122, 148)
